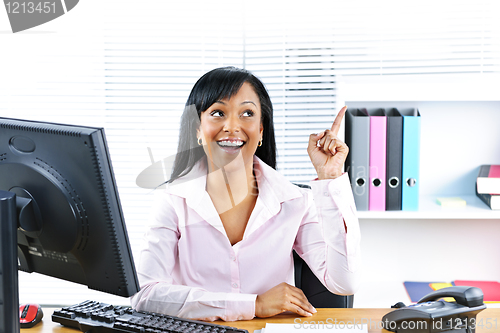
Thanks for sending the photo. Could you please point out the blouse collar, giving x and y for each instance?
(270, 182)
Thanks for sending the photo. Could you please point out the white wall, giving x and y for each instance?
(424, 250)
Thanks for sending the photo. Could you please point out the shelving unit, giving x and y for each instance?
(459, 132)
(429, 209)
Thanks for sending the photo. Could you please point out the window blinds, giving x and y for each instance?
(431, 37)
(298, 73)
(131, 73)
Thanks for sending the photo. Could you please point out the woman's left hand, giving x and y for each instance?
(327, 152)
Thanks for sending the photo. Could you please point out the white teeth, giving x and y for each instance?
(230, 143)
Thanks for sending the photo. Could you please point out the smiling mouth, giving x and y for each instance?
(231, 146)
(231, 143)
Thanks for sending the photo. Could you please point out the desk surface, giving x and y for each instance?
(490, 320)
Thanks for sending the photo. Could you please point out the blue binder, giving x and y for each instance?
(411, 159)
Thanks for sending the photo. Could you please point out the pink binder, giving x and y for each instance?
(377, 175)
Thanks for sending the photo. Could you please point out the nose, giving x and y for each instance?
(232, 124)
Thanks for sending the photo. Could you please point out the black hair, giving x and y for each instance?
(216, 85)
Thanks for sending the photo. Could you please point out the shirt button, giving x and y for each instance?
(235, 285)
(240, 318)
(233, 258)
(326, 194)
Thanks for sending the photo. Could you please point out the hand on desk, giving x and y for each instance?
(281, 298)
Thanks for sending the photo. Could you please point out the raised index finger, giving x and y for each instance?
(338, 120)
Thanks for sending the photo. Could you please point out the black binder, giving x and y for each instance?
(394, 160)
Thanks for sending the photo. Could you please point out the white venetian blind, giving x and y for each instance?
(296, 62)
(131, 72)
(425, 37)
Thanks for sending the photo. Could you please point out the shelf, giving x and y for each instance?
(429, 209)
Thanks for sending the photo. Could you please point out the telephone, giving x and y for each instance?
(431, 314)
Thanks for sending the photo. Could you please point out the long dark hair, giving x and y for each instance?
(216, 85)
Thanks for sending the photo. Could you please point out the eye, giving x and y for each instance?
(217, 113)
(248, 113)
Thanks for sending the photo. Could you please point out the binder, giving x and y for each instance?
(488, 179)
(394, 160)
(357, 138)
(417, 290)
(411, 159)
(377, 173)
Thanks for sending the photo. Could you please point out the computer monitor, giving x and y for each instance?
(60, 212)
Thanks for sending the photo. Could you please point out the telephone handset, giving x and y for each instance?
(431, 314)
(467, 296)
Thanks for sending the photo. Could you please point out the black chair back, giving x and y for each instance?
(315, 291)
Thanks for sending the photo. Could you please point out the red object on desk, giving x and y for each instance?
(30, 315)
(491, 289)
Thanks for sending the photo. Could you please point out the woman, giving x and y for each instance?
(225, 226)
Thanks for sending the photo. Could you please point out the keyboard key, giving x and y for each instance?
(108, 318)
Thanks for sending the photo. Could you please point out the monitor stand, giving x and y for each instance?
(9, 292)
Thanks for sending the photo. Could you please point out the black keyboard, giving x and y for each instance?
(96, 317)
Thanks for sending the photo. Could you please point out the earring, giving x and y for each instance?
(260, 142)
(199, 142)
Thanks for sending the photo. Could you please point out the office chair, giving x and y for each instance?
(315, 291)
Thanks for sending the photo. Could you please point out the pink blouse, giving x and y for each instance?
(189, 268)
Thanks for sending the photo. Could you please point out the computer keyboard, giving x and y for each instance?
(96, 317)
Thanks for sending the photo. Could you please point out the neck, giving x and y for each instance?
(232, 184)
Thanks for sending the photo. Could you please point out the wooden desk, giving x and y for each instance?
(372, 317)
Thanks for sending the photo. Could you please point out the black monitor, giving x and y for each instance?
(60, 212)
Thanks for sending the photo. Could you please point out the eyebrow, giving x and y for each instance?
(242, 103)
